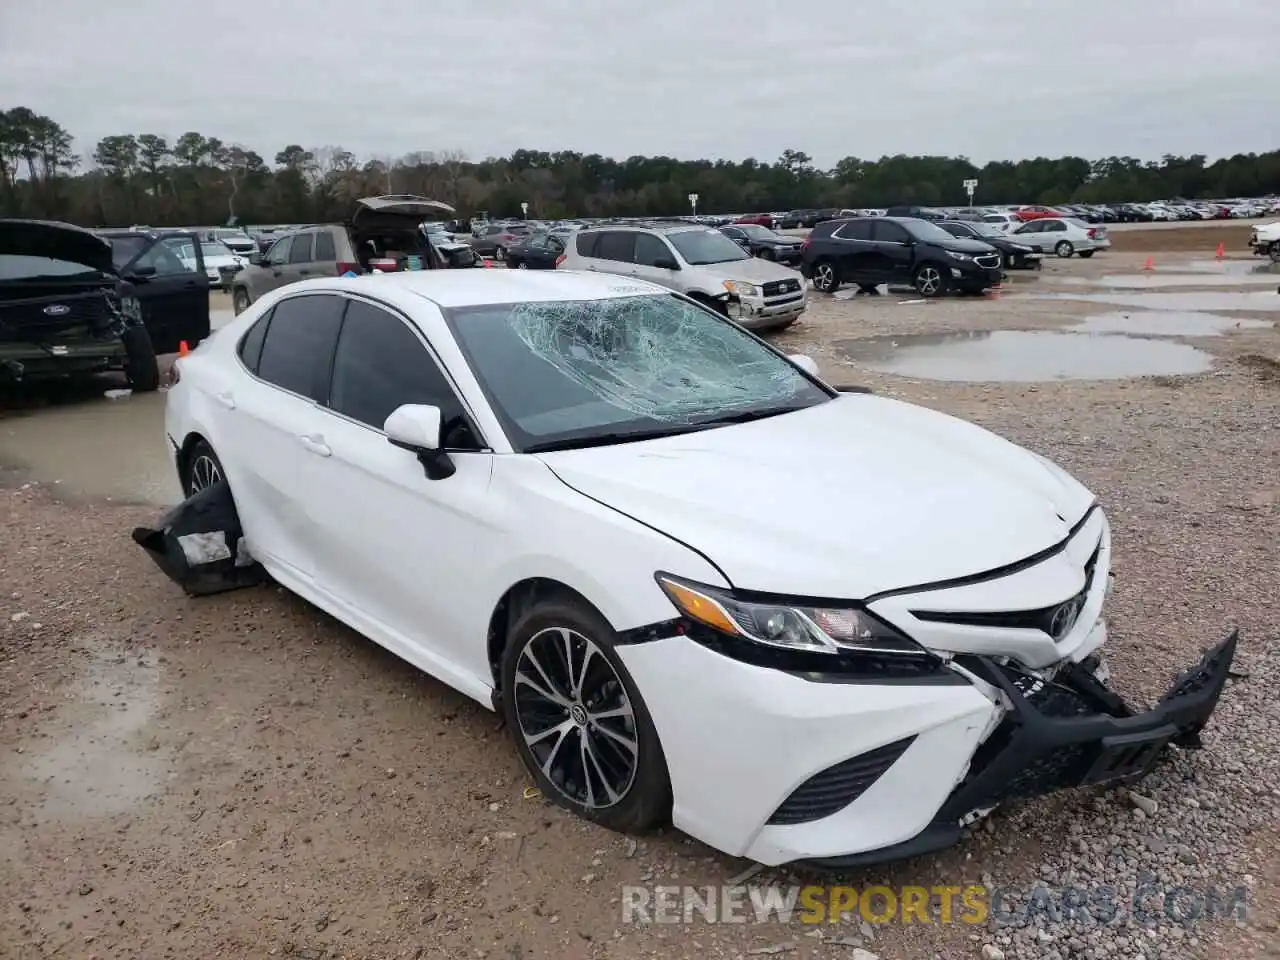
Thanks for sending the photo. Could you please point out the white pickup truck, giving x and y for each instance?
(1265, 240)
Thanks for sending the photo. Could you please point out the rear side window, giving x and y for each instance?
(301, 252)
(617, 245)
(649, 250)
(585, 244)
(299, 344)
(324, 247)
(854, 230)
(825, 229)
(886, 232)
(251, 343)
(380, 364)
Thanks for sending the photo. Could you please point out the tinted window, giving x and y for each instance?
(1055, 226)
(124, 249)
(616, 245)
(324, 247)
(887, 232)
(279, 252)
(1035, 226)
(649, 250)
(380, 364)
(855, 230)
(706, 246)
(21, 267)
(299, 343)
(164, 257)
(733, 233)
(301, 250)
(251, 344)
(586, 244)
(957, 230)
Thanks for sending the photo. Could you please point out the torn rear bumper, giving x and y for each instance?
(1068, 732)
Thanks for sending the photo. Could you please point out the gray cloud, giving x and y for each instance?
(999, 79)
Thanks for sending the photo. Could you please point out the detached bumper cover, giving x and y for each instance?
(1070, 732)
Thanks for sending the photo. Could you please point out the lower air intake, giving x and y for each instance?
(838, 786)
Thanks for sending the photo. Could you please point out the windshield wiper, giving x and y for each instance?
(746, 416)
(609, 439)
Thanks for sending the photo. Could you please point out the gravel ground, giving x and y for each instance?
(241, 776)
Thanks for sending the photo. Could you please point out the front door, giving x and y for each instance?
(272, 272)
(895, 260)
(172, 290)
(397, 546)
(649, 251)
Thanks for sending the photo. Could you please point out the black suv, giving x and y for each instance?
(64, 308)
(869, 251)
(164, 270)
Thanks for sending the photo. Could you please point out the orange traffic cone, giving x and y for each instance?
(1222, 250)
(1150, 264)
(183, 349)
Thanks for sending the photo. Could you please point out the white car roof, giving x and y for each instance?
(476, 286)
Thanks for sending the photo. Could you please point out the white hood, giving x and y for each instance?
(842, 501)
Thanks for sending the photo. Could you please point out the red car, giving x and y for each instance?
(759, 219)
(1036, 212)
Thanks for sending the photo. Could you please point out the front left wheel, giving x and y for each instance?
(580, 724)
(201, 469)
(141, 367)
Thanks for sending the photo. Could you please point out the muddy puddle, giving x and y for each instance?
(85, 444)
(1196, 273)
(1023, 356)
(1166, 323)
(1196, 301)
(96, 759)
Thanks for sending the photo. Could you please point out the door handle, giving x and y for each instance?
(226, 400)
(314, 443)
(304, 273)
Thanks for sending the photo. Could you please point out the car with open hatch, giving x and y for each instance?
(64, 308)
(558, 492)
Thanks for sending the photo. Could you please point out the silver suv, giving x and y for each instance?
(700, 262)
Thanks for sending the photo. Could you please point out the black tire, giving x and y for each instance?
(1273, 251)
(140, 364)
(766, 253)
(1086, 254)
(240, 300)
(499, 254)
(645, 800)
(826, 276)
(201, 465)
(930, 280)
(1064, 249)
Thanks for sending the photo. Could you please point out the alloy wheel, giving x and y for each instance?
(522, 265)
(928, 281)
(576, 718)
(204, 474)
(825, 276)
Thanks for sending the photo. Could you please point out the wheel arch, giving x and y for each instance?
(188, 446)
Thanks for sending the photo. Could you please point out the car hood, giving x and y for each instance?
(843, 500)
(752, 270)
(966, 245)
(58, 241)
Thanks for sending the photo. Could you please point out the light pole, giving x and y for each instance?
(693, 203)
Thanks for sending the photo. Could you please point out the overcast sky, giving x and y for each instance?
(990, 79)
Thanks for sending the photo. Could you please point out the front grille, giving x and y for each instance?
(1041, 619)
(989, 261)
(838, 786)
(776, 288)
(27, 319)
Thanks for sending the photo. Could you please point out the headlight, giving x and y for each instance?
(741, 289)
(958, 256)
(786, 626)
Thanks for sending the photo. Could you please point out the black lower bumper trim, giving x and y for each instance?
(1071, 732)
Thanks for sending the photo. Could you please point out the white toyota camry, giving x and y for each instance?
(699, 583)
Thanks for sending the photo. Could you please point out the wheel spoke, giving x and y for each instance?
(561, 728)
(549, 764)
(583, 752)
(592, 762)
(618, 738)
(581, 679)
(612, 713)
(547, 689)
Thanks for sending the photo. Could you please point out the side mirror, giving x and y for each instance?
(255, 258)
(665, 263)
(805, 363)
(416, 427)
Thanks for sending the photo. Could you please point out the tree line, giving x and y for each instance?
(150, 179)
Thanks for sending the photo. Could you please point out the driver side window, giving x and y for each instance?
(381, 364)
(650, 250)
(164, 258)
(279, 252)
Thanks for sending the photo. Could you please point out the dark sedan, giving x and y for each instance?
(538, 251)
(764, 243)
(1016, 256)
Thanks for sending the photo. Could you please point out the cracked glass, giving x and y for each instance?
(580, 372)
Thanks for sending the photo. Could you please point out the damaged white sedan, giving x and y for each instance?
(699, 583)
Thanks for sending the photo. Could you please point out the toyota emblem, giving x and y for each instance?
(57, 310)
(1064, 618)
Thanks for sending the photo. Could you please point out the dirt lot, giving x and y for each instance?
(240, 776)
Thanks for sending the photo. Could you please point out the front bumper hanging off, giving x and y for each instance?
(1068, 732)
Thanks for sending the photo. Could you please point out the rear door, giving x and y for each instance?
(172, 290)
(301, 264)
(615, 253)
(324, 257)
(857, 254)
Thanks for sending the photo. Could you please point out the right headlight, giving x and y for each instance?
(784, 625)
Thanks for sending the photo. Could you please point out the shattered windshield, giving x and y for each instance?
(700, 247)
(561, 374)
